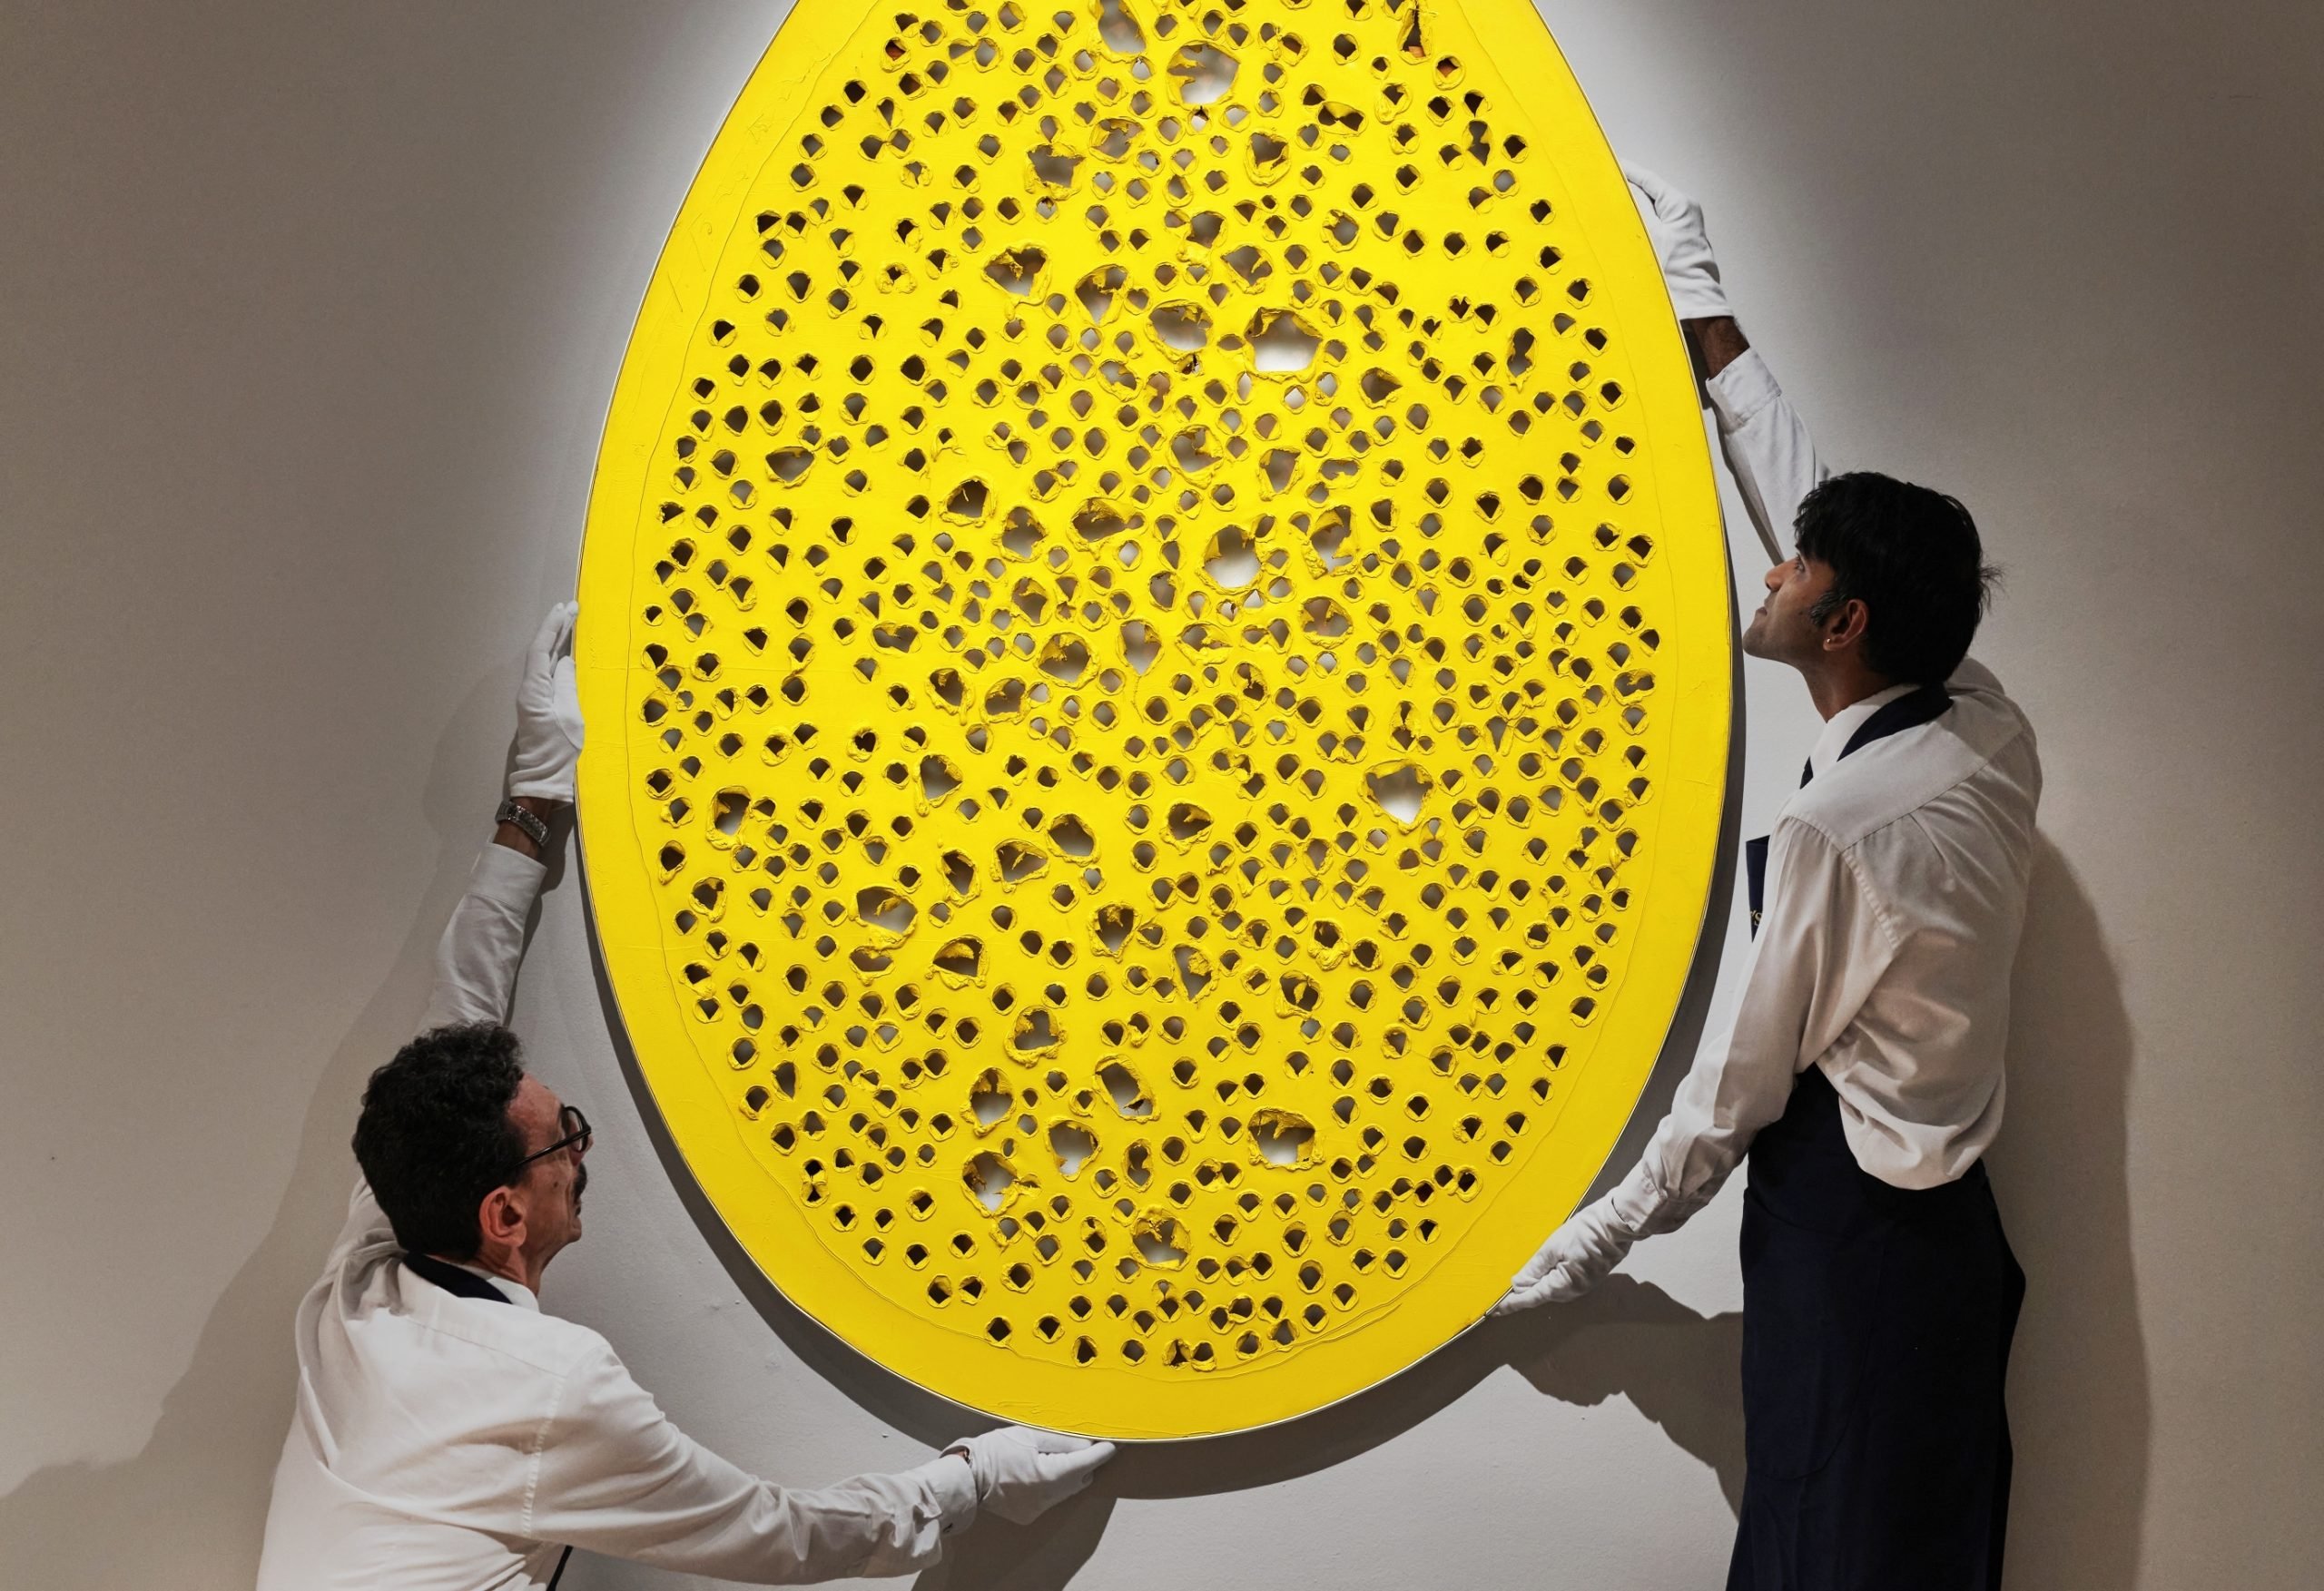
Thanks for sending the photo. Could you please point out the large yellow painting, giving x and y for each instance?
(1155, 640)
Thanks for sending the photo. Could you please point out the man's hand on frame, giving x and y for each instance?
(1675, 222)
(548, 713)
(1577, 1257)
(1022, 1473)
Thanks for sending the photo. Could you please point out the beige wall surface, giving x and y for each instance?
(309, 315)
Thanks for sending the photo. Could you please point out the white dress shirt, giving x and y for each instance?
(1895, 892)
(453, 1444)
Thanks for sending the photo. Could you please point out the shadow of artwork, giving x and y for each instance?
(1626, 1339)
(189, 1509)
(1683, 1371)
(2078, 1395)
(1042, 1557)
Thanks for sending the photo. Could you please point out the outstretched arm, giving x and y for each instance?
(1819, 953)
(478, 958)
(612, 1474)
(1767, 447)
(1765, 442)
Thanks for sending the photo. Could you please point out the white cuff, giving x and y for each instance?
(506, 876)
(1742, 390)
(1645, 1207)
(953, 1483)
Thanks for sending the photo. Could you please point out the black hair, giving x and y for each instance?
(435, 1136)
(1913, 557)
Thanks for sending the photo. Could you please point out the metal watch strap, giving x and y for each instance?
(535, 829)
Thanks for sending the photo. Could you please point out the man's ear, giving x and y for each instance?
(500, 1217)
(1846, 624)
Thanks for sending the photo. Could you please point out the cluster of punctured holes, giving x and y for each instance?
(1145, 683)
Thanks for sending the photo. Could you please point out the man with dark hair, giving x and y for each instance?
(1908, 553)
(447, 1433)
(1863, 1072)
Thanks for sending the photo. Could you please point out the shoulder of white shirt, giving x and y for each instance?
(1855, 797)
(520, 1329)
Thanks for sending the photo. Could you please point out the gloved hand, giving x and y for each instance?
(548, 713)
(1022, 1473)
(1575, 1259)
(1675, 222)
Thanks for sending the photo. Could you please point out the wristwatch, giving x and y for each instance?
(534, 828)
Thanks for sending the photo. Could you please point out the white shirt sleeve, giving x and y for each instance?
(1822, 946)
(483, 945)
(1766, 446)
(614, 1476)
(476, 974)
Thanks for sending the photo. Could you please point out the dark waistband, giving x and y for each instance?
(1802, 1160)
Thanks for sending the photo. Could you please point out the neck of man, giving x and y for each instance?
(509, 1264)
(1836, 684)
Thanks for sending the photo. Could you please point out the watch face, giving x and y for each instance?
(1158, 687)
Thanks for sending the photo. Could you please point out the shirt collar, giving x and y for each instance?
(1842, 725)
(516, 1292)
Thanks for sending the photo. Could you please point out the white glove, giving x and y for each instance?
(1022, 1473)
(1575, 1259)
(548, 713)
(1675, 223)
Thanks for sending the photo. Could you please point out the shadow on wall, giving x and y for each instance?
(2078, 1376)
(1626, 1339)
(2079, 1406)
(190, 1509)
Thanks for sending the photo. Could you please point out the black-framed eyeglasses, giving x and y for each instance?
(576, 1136)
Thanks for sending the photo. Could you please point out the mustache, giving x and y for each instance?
(581, 1181)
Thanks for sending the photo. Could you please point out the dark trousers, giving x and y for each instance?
(1876, 1324)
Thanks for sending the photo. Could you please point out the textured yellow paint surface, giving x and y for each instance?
(1155, 644)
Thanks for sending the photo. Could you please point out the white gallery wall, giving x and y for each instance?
(308, 316)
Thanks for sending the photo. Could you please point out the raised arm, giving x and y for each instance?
(477, 959)
(1765, 442)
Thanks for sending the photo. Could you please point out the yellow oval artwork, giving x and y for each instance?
(1155, 643)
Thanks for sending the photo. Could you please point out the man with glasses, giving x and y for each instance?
(449, 1434)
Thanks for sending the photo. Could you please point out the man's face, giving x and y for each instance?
(1782, 630)
(553, 1184)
